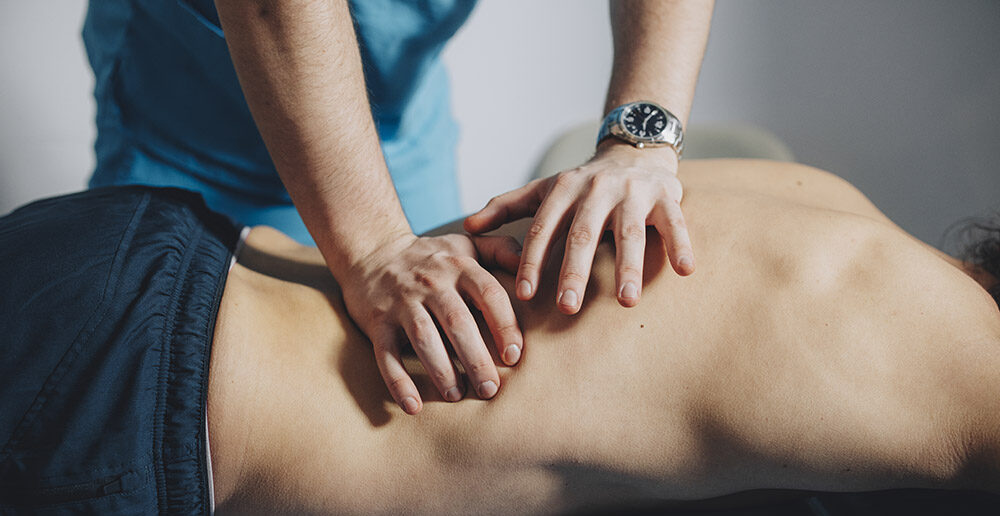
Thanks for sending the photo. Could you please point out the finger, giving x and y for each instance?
(386, 344)
(498, 251)
(515, 204)
(427, 343)
(630, 247)
(538, 240)
(581, 244)
(492, 300)
(669, 222)
(460, 327)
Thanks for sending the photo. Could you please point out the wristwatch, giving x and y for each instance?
(642, 124)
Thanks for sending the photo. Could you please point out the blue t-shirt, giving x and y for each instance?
(170, 111)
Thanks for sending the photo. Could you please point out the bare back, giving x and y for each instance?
(817, 347)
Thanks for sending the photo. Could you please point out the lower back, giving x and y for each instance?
(809, 343)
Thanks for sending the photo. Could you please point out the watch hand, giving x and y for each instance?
(646, 120)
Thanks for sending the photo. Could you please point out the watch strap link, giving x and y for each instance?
(673, 135)
(613, 119)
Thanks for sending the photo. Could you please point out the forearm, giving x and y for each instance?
(300, 69)
(658, 48)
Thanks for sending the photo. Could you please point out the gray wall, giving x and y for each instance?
(900, 97)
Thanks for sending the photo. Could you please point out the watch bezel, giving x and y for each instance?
(656, 138)
(672, 133)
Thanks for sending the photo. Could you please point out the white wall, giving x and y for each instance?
(522, 71)
(901, 97)
(46, 107)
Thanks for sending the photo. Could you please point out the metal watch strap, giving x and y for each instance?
(610, 121)
(613, 122)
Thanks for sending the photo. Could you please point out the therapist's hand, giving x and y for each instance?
(397, 292)
(621, 188)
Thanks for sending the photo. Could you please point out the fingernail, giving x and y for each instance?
(524, 288)
(410, 405)
(512, 354)
(629, 291)
(487, 389)
(567, 298)
(685, 261)
(453, 394)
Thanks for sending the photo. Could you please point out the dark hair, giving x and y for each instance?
(982, 247)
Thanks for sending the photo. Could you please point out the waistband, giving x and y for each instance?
(185, 477)
(108, 322)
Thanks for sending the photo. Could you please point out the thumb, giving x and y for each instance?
(498, 251)
(508, 207)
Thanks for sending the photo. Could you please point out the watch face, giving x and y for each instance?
(644, 120)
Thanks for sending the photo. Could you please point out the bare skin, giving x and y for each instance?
(301, 73)
(818, 347)
(658, 49)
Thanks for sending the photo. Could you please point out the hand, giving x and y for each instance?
(399, 290)
(621, 188)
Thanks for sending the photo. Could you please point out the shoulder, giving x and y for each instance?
(794, 182)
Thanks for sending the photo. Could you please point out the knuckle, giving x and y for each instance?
(441, 253)
(397, 384)
(630, 271)
(493, 293)
(601, 180)
(424, 279)
(661, 189)
(422, 340)
(479, 367)
(633, 231)
(580, 236)
(415, 290)
(468, 263)
(456, 261)
(564, 178)
(573, 276)
(536, 229)
(421, 344)
(633, 184)
(564, 184)
(441, 376)
(421, 327)
(529, 267)
(455, 317)
(380, 347)
(676, 219)
(379, 315)
(508, 330)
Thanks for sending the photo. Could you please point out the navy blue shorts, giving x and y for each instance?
(107, 311)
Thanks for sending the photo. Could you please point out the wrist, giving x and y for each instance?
(357, 262)
(389, 244)
(615, 148)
